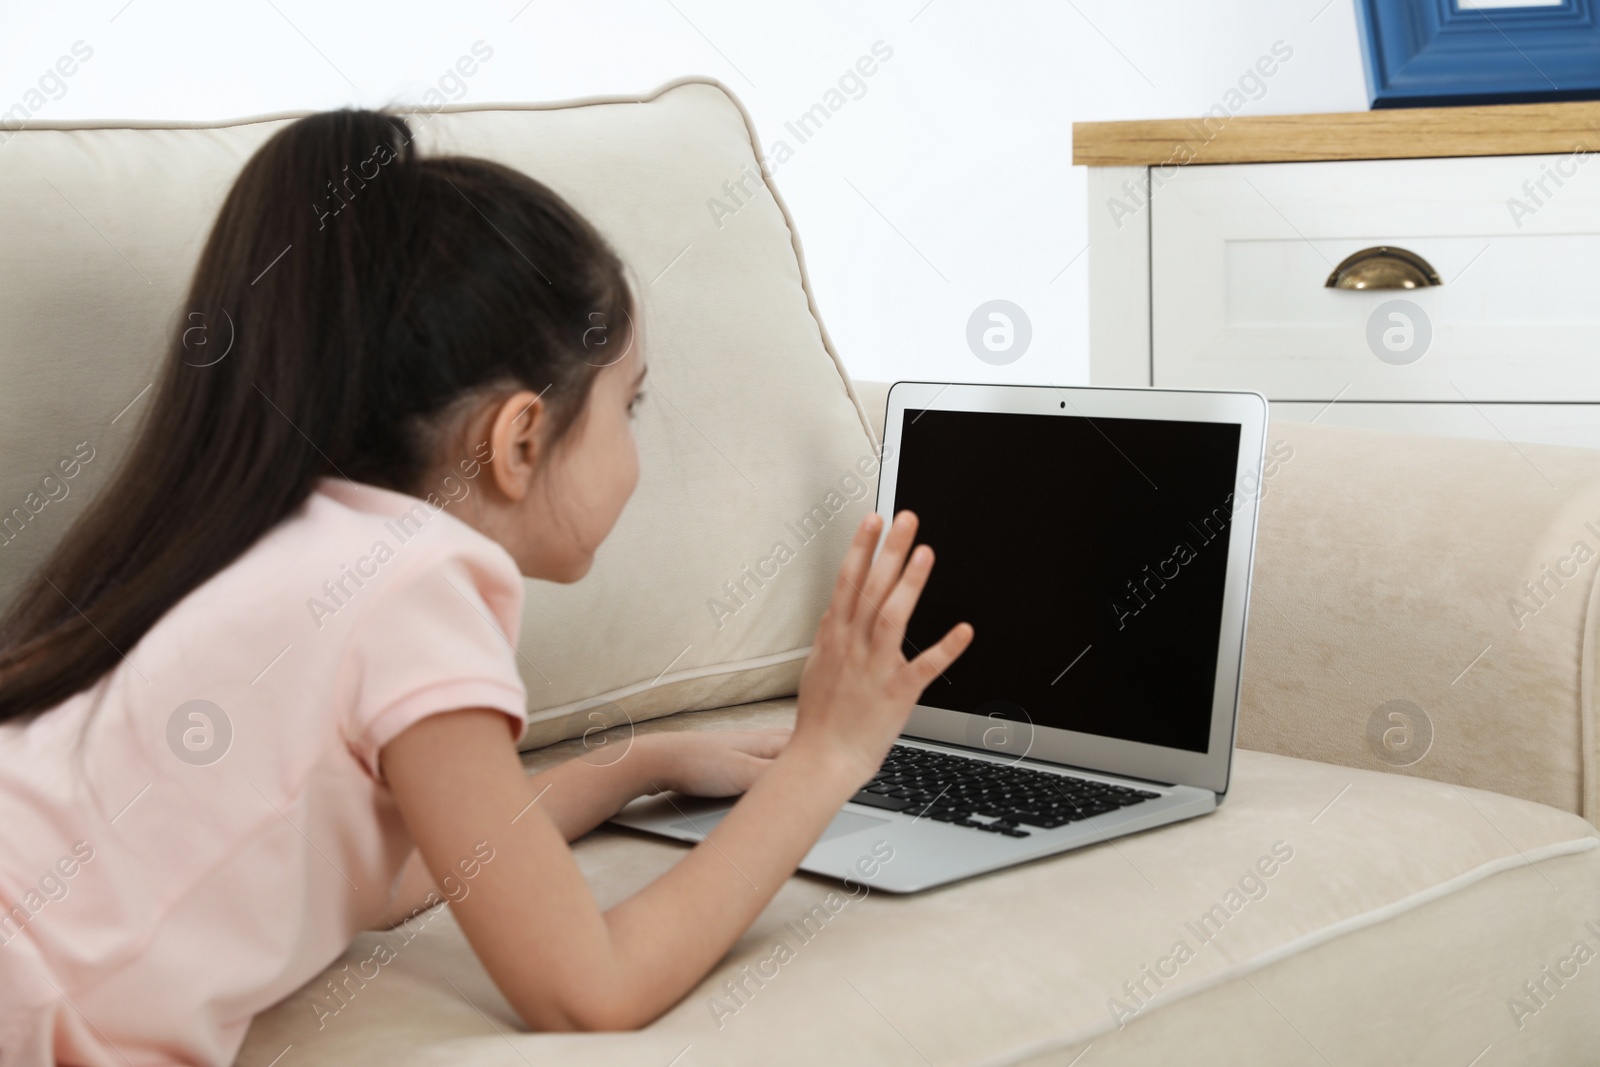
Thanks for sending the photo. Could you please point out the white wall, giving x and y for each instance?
(946, 181)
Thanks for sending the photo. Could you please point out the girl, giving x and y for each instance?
(277, 656)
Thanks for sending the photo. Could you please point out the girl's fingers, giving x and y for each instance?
(853, 571)
(908, 590)
(886, 568)
(755, 767)
(764, 743)
(936, 658)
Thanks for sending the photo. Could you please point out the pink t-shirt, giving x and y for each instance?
(203, 831)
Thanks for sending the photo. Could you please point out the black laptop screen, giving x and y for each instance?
(1089, 555)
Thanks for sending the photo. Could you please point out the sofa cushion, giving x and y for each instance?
(756, 460)
(1423, 605)
(1332, 912)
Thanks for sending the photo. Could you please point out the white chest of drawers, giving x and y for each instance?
(1214, 274)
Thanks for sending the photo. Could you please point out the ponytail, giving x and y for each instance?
(360, 290)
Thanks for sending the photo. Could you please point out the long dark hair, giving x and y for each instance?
(365, 290)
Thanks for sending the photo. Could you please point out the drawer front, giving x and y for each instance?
(1573, 425)
(1240, 256)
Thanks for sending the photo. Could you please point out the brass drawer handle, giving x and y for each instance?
(1383, 268)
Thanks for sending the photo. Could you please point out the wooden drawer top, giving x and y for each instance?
(1399, 133)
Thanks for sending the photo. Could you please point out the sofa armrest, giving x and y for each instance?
(1425, 606)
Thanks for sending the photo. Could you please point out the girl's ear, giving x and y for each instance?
(516, 433)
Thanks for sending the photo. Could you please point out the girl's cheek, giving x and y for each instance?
(631, 462)
(633, 470)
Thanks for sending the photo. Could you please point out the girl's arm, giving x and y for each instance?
(563, 963)
(580, 793)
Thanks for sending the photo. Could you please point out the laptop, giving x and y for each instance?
(1100, 541)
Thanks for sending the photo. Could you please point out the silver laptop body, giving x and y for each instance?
(1101, 541)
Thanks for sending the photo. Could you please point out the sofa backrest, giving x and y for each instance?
(751, 436)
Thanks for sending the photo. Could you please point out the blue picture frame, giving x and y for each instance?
(1428, 53)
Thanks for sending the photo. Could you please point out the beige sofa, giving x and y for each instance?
(1405, 869)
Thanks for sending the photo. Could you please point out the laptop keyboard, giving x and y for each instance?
(1005, 798)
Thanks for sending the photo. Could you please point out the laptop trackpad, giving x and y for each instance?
(846, 822)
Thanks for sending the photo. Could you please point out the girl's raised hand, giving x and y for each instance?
(857, 689)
